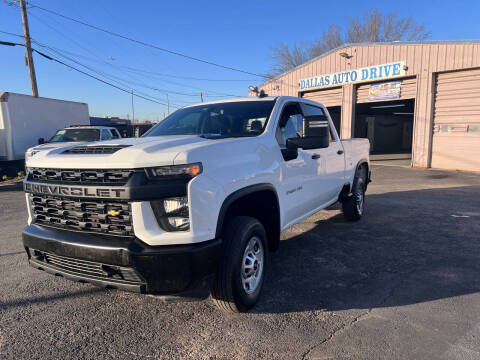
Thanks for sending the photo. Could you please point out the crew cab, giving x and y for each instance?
(196, 205)
(74, 134)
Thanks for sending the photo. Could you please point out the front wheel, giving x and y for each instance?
(240, 276)
(354, 206)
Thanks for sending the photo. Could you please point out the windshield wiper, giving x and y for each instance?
(212, 136)
(224, 136)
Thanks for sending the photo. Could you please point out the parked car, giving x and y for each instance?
(195, 205)
(74, 135)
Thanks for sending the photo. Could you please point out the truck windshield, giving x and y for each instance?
(220, 120)
(76, 135)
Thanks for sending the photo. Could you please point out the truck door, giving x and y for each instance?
(299, 190)
(330, 161)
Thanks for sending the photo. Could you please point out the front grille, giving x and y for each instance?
(104, 149)
(81, 176)
(89, 268)
(100, 216)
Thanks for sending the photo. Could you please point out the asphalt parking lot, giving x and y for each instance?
(403, 283)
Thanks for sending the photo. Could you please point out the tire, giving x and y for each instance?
(239, 279)
(354, 206)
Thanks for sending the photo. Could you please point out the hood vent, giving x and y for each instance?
(95, 149)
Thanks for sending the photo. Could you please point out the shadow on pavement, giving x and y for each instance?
(17, 186)
(13, 253)
(407, 249)
(47, 299)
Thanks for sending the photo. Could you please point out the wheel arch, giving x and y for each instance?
(259, 201)
(347, 187)
(361, 164)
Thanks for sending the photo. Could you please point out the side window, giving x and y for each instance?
(106, 135)
(310, 110)
(114, 134)
(290, 124)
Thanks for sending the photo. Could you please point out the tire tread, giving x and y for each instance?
(222, 290)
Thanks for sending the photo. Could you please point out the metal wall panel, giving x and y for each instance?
(408, 90)
(456, 122)
(328, 97)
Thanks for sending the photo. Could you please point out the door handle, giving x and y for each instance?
(340, 152)
(315, 156)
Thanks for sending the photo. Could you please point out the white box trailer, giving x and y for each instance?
(24, 119)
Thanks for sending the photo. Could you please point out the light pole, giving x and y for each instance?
(133, 110)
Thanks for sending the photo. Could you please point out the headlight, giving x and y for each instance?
(172, 213)
(174, 171)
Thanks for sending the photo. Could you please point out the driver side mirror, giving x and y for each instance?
(41, 141)
(315, 134)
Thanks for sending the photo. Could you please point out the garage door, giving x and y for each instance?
(408, 90)
(328, 97)
(456, 134)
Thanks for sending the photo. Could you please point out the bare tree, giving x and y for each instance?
(330, 39)
(286, 58)
(372, 27)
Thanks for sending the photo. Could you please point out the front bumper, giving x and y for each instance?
(123, 263)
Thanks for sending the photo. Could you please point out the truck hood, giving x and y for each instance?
(134, 153)
(49, 146)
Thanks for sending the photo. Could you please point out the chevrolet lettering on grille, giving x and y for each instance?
(75, 191)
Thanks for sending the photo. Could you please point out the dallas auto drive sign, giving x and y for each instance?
(366, 74)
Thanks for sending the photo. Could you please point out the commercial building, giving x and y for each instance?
(418, 99)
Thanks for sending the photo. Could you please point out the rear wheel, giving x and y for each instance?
(240, 276)
(354, 205)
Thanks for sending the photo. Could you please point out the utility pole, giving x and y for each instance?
(133, 110)
(201, 96)
(168, 106)
(28, 48)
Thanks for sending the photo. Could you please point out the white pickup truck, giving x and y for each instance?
(75, 134)
(197, 203)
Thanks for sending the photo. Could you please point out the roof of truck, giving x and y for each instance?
(239, 99)
(89, 127)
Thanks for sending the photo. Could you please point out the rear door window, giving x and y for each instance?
(106, 135)
(114, 134)
(310, 110)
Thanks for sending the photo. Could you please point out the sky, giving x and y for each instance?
(232, 33)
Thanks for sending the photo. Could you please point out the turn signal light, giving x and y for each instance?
(187, 170)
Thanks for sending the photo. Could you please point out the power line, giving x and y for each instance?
(207, 93)
(12, 34)
(96, 78)
(118, 79)
(282, 82)
(61, 33)
(145, 43)
(72, 40)
(111, 77)
(58, 51)
(182, 77)
(83, 72)
(108, 76)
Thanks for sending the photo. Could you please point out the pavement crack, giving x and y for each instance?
(358, 318)
(338, 331)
